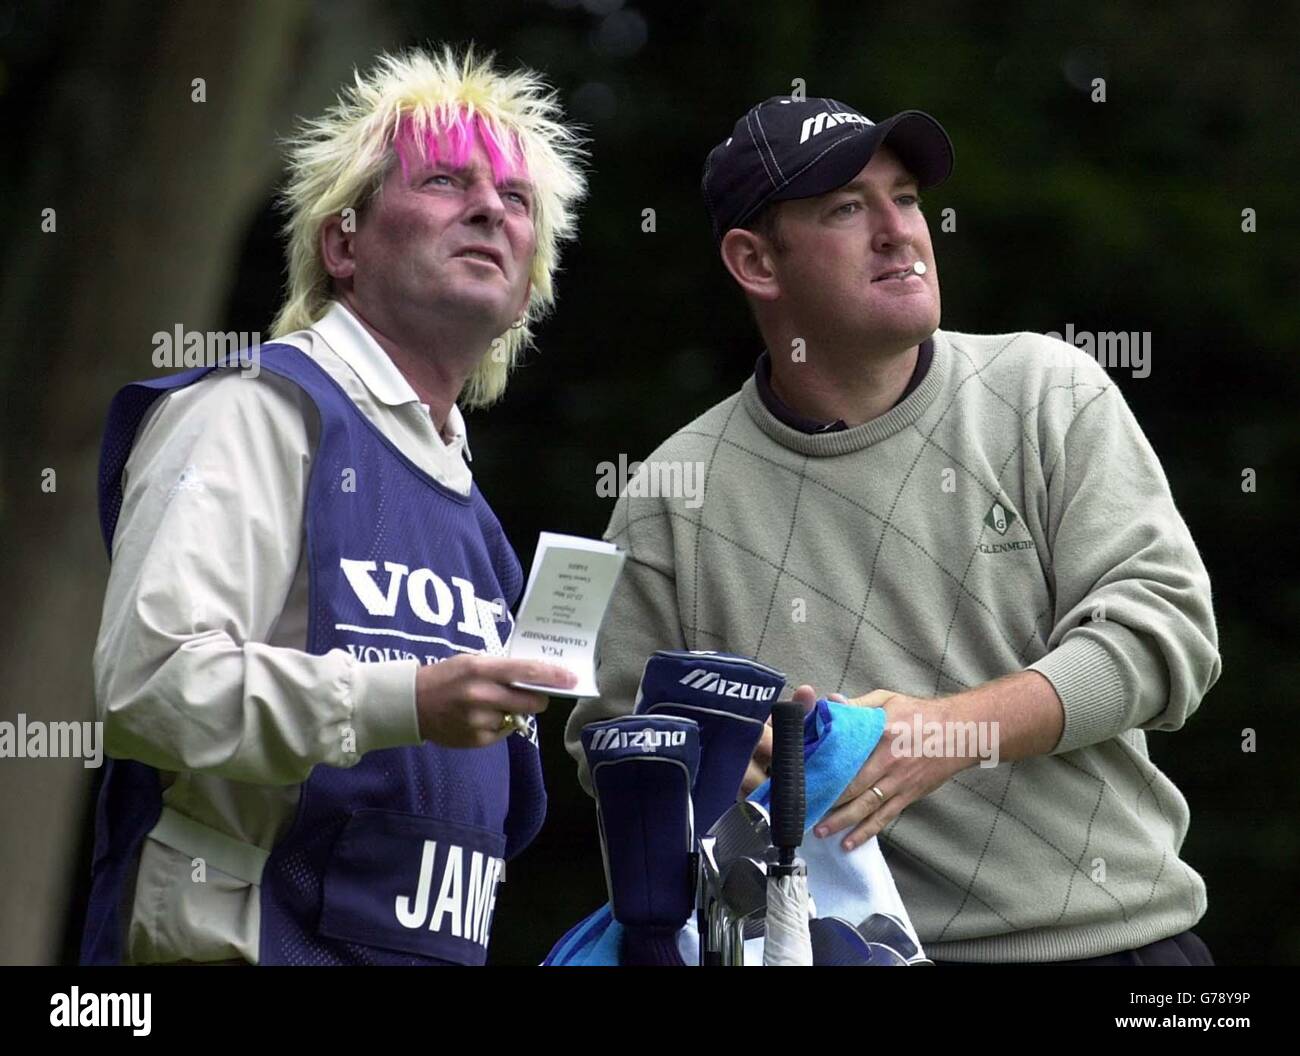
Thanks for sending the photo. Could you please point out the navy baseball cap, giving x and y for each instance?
(798, 148)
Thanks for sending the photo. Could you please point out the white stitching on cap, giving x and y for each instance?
(813, 161)
(759, 118)
(827, 104)
(766, 170)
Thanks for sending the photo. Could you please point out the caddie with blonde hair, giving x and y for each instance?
(317, 755)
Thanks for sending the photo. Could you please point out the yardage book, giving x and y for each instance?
(569, 587)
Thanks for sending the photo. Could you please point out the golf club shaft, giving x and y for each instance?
(787, 940)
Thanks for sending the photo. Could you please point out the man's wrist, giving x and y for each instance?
(1022, 711)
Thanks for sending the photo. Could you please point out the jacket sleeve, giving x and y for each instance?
(1134, 642)
(205, 555)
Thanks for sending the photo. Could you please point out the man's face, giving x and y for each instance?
(841, 250)
(445, 242)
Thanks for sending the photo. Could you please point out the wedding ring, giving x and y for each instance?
(878, 792)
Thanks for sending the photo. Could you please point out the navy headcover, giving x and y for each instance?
(730, 697)
(642, 770)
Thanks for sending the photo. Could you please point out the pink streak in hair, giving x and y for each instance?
(453, 144)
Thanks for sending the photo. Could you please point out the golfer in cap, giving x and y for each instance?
(969, 531)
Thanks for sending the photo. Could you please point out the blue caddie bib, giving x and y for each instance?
(395, 860)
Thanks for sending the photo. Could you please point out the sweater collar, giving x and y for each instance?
(783, 411)
(827, 442)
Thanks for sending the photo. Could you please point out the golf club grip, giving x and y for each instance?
(788, 796)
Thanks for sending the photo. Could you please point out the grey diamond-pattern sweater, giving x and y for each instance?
(1008, 514)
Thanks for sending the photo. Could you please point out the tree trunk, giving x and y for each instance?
(153, 192)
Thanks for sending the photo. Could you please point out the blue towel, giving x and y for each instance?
(837, 740)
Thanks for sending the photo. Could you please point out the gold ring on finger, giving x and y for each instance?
(878, 793)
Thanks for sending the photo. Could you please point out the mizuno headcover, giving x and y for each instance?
(730, 697)
(642, 770)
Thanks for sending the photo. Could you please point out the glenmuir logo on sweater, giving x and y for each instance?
(999, 518)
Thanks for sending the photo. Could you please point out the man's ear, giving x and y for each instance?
(337, 249)
(748, 256)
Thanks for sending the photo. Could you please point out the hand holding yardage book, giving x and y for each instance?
(569, 587)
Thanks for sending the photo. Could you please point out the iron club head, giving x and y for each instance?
(744, 831)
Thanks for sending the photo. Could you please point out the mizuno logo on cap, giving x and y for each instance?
(818, 123)
(712, 682)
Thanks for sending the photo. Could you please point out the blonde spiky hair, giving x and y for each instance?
(340, 160)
